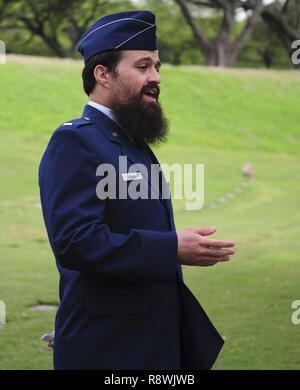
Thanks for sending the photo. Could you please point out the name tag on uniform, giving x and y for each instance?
(132, 176)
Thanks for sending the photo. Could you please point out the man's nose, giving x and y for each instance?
(154, 76)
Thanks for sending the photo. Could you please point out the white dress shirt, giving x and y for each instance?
(105, 110)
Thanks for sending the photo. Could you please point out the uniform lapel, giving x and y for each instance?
(109, 127)
(136, 157)
(167, 201)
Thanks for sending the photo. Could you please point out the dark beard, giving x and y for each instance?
(144, 122)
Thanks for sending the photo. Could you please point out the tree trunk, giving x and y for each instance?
(221, 52)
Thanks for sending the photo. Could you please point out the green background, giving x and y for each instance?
(219, 118)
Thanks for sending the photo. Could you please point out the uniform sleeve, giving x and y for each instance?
(74, 218)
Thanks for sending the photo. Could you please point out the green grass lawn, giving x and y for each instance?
(220, 118)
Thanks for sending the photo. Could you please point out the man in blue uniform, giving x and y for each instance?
(124, 304)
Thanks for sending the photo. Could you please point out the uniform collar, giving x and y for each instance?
(105, 110)
(111, 128)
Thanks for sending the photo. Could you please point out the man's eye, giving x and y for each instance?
(146, 66)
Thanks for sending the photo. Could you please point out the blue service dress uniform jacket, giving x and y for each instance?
(123, 303)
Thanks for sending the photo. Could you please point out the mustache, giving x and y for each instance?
(151, 87)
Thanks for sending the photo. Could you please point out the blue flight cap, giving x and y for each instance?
(133, 30)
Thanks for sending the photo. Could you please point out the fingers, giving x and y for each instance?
(205, 261)
(217, 243)
(206, 231)
(197, 249)
(208, 263)
(215, 253)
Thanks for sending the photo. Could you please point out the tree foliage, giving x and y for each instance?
(283, 17)
(213, 32)
(59, 24)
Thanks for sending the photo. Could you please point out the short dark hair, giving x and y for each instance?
(109, 59)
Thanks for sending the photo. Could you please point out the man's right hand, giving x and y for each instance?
(194, 248)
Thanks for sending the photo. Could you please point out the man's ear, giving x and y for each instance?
(101, 75)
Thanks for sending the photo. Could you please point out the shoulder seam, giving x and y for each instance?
(82, 140)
